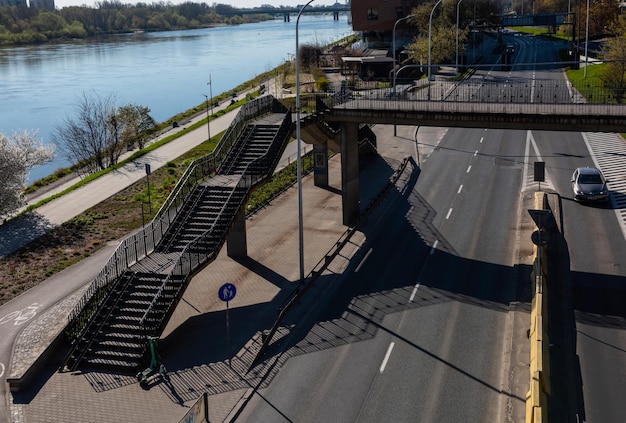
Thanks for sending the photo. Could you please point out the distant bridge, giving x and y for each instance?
(286, 12)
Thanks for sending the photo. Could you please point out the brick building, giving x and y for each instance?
(376, 18)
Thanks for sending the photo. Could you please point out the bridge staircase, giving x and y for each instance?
(112, 326)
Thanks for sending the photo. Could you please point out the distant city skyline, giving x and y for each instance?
(241, 4)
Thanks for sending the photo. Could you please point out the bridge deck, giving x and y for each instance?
(545, 105)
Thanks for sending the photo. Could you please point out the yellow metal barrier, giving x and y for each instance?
(537, 397)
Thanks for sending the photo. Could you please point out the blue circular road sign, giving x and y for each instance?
(227, 292)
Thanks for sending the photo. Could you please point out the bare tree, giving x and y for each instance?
(92, 140)
(19, 153)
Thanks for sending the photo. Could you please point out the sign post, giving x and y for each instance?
(148, 171)
(226, 293)
(539, 172)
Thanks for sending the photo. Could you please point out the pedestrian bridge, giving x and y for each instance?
(509, 103)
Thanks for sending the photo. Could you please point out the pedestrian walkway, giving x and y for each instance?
(194, 346)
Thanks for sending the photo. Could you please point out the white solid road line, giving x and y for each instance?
(384, 363)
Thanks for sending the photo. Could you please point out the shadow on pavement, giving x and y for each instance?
(20, 231)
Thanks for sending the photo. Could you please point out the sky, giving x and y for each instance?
(234, 3)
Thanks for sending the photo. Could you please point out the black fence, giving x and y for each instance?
(143, 242)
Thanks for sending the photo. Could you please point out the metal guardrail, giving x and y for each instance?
(143, 242)
(485, 95)
(189, 261)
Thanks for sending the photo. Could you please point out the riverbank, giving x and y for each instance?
(78, 23)
(61, 244)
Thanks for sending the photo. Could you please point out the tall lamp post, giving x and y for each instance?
(457, 35)
(299, 143)
(430, 41)
(586, 41)
(208, 127)
(211, 95)
(393, 46)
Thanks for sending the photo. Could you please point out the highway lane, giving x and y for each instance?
(431, 298)
(596, 278)
(472, 253)
(597, 285)
(595, 248)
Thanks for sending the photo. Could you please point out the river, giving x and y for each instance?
(169, 72)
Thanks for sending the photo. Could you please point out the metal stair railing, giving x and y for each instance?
(185, 271)
(185, 219)
(185, 264)
(137, 245)
(92, 322)
(234, 153)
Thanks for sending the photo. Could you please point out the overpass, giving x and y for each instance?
(481, 102)
(484, 103)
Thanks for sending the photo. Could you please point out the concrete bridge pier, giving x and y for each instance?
(320, 165)
(236, 244)
(286, 17)
(350, 172)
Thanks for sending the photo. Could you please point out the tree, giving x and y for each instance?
(92, 140)
(19, 153)
(443, 34)
(614, 76)
(136, 124)
(310, 56)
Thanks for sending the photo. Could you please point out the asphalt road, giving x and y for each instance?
(418, 364)
(421, 320)
(595, 276)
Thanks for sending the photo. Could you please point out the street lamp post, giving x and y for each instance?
(210, 96)
(430, 31)
(393, 46)
(457, 35)
(299, 143)
(208, 127)
(586, 41)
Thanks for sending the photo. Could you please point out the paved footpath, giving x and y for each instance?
(194, 344)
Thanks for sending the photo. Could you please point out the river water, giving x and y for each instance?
(168, 72)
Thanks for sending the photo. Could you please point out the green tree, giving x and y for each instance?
(48, 22)
(442, 31)
(136, 124)
(614, 53)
